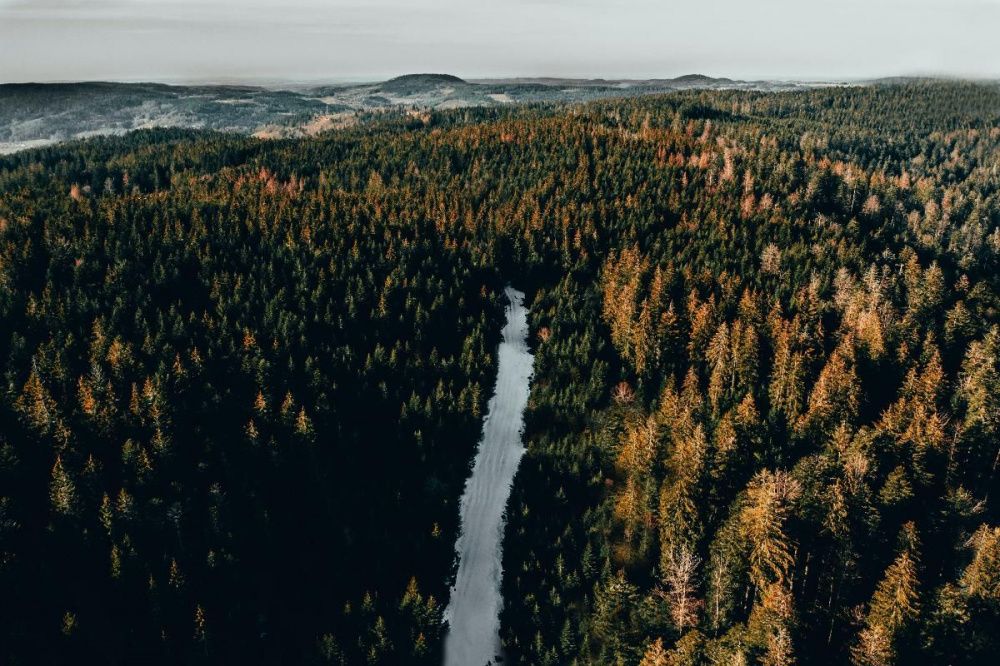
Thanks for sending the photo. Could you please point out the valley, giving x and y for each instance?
(35, 115)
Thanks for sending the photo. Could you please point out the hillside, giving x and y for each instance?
(244, 380)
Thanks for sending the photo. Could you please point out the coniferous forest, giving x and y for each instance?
(243, 381)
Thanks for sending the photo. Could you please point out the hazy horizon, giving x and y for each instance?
(294, 83)
(311, 41)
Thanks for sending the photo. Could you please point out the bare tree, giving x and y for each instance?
(679, 577)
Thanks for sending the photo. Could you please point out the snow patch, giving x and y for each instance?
(473, 612)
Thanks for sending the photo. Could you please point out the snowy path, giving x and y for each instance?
(473, 613)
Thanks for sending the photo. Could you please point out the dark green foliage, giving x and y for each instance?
(238, 408)
(243, 381)
(814, 254)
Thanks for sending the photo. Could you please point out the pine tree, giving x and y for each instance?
(62, 490)
(769, 501)
(893, 608)
(655, 655)
(200, 624)
(982, 577)
(38, 406)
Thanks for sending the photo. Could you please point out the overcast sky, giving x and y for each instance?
(330, 40)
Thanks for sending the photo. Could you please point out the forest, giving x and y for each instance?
(243, 382)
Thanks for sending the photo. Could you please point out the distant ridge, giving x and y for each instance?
(409, 84)
(36, 115)
(426, 78)
(699, 78)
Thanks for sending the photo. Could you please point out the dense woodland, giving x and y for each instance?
(243, 380)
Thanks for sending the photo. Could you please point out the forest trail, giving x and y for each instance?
(473, 612)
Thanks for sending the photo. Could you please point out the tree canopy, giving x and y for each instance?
(243, 380)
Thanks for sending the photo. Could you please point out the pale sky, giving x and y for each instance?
(331, 40)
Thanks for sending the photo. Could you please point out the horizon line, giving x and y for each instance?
(271, 81)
